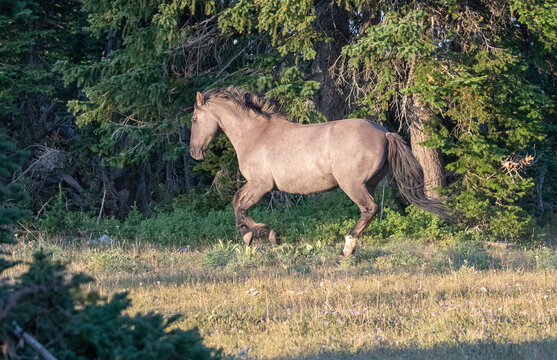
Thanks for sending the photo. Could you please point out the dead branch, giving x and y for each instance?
(18, 331)
(198, 52)
(43, 207)
(102, 206)
(48, 160)
(517, 164)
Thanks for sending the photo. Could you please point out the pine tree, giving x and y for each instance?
(11, 194)
(460, 75)
(50, 305)
(471, 85)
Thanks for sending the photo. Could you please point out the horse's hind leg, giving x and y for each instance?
(245, 198)
(360, 195)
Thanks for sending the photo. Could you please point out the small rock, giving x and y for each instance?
(104, 239)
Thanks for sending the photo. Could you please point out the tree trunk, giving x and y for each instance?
(332, 21)
(430, 159)
(142, 198)
(189, 180)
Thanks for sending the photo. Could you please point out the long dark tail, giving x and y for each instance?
(410, 178)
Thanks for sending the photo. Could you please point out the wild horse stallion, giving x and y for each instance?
(273, 153)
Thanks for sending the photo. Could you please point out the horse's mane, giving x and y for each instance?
(245, 99)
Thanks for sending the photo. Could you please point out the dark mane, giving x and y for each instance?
(245, 99)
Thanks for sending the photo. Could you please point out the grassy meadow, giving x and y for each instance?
(402, 299)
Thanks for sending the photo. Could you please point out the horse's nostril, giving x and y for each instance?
(197, 154)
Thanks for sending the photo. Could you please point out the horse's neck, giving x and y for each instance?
(240, 127)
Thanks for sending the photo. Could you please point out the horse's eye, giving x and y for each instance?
(193, 120)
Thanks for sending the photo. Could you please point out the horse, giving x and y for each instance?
(276, 154)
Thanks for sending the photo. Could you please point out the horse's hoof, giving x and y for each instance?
(274, 238)
(248, 238)
(349, 246)
(347, 253)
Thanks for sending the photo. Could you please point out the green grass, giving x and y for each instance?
(402, 299)
(323, 217)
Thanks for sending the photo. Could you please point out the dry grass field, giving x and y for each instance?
(401, 300)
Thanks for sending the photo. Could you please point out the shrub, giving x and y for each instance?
(56, 220)
(543, 258)
(472, 253)
(188, 227)
(324, 218)
(220, 255)
(73, 324)
(131, 225)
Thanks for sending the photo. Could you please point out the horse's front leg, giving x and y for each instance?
(244, 199)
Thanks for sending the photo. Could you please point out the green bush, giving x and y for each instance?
(220, 255)
(472, 253)
(325, 218)
(73, 324)
(543, 258)
(55, 220)
(10, 194)
(130, 226)
(188, 227)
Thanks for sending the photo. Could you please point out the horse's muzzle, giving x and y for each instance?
(197, 154)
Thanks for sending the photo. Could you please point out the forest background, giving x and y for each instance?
(96, 98)
(98, 95)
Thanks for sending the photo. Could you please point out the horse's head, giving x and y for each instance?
(204, 128)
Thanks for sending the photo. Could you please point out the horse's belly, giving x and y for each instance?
(304, 180)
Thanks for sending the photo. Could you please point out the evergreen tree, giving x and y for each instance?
(34, 35)
(470, 83)
(11, 194)
(465, 69)
(456, 77)
(73, 324)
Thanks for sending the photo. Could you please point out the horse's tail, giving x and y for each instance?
(410, 178)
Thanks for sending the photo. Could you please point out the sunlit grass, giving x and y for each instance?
(403, 299)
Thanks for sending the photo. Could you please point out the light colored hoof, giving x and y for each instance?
(248, 238)
(274, 238)
(347, 252)
(349, 246)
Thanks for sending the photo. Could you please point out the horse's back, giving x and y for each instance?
(318, 157)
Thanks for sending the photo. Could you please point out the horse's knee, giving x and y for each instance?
(370, 211)
(243, 228)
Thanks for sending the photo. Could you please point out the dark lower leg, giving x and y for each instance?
(356, 232)
(362, 224)
(245, 198)
(360, 195)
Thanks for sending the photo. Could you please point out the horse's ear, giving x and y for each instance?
(200, 99)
